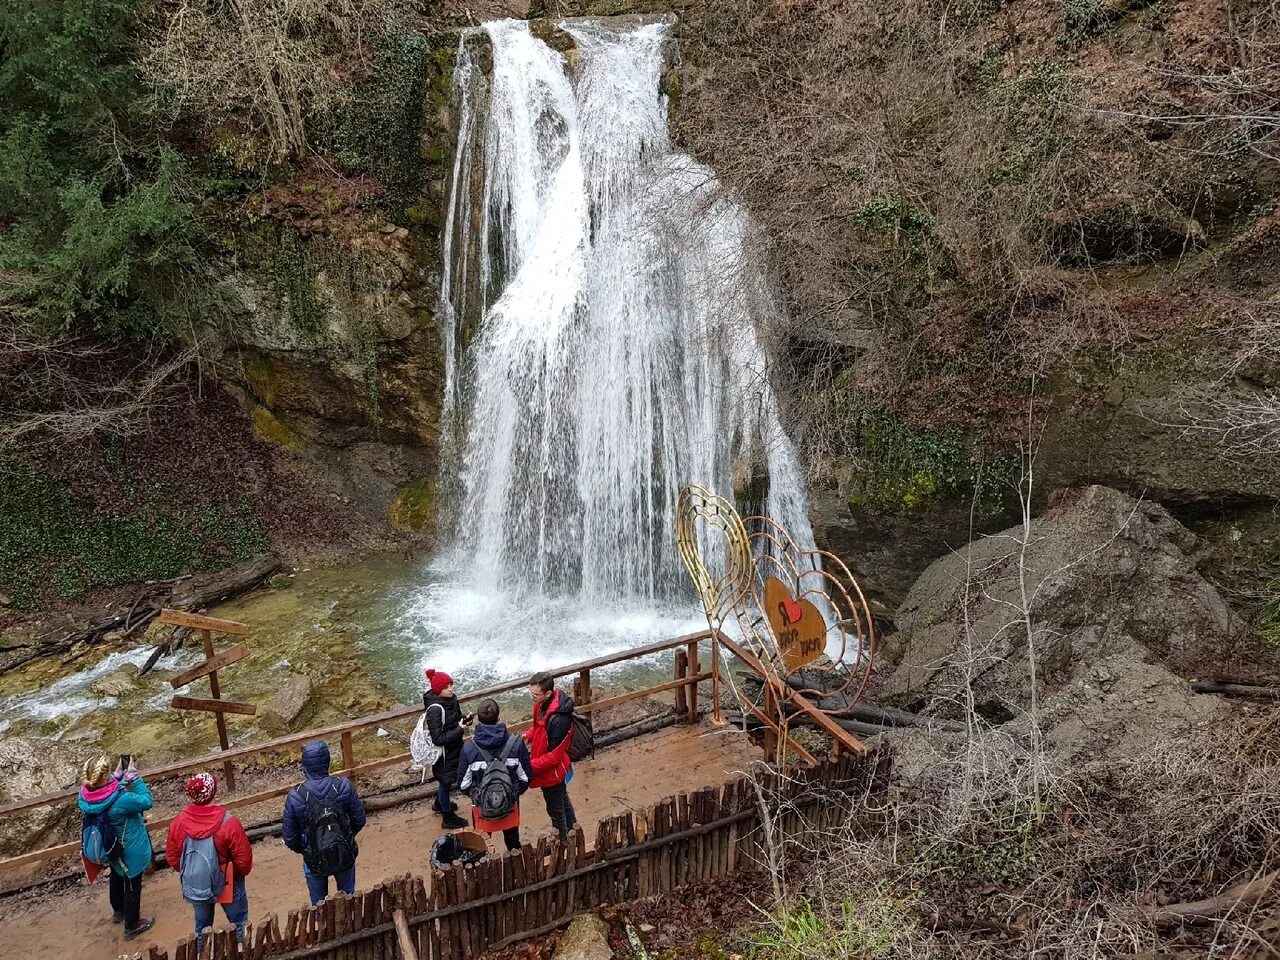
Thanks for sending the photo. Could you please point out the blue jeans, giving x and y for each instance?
(237, 912)
(318, 887)
(442, 798)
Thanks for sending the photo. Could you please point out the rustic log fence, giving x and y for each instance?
(462, 912)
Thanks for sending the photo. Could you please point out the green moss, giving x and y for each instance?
(268, 427)
(903, 469)
(414, 505)
(261, 379)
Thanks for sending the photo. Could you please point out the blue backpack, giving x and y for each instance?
(202, 876)
(99, 842)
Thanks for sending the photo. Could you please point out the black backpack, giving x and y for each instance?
(583, 744)
(496, 795)
(331, 846)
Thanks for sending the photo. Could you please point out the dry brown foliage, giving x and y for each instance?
(268, 64)
(964, 862)
(940, 190)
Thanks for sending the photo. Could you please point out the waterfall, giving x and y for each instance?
(601, 314)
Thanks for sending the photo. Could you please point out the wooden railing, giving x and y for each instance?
(685, 682)
(463, 912)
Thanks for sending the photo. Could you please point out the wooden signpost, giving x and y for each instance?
(213, 662)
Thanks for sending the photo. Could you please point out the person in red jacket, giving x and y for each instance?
(203, 819)
(549, 739)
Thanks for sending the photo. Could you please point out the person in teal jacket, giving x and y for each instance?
(124, 795)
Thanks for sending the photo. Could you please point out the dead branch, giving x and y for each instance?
(1200, 911)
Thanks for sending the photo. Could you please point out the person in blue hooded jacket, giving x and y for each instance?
(124, 795)
(312, 806)
(491, 737)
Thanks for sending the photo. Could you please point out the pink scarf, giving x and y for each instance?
(98, 794)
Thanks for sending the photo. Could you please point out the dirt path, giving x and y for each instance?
(631, 775)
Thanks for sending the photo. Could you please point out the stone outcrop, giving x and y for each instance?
(1113, 595)
(30, 767)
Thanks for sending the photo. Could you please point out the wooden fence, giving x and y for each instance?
(688, 674)
(462, 912)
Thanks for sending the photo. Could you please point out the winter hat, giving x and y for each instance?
(438, 680)
(202, 788)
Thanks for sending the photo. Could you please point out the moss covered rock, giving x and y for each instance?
(413, 508)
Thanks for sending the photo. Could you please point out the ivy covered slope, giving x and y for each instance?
(215, 295)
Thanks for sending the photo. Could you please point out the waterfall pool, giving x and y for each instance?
(361, 631)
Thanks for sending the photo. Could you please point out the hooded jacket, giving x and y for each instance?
(493, 737)
(444, 724)
(125, 817)
(198, 821)
(315, 764)
(549, 738)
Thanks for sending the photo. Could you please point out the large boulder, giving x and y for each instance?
(1112, 596)
(586, 939)
(292, 697)
(31, 767)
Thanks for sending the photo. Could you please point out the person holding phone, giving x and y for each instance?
(445, 722)
(120, 796)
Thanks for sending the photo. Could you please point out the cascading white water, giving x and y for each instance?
(601, 314)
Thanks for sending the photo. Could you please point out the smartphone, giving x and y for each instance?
(124, 761)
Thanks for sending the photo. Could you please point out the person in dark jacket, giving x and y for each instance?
(549, 739)
(444, 726)
(491, 737)
(200, 819)
(123, 795)
(320, 786)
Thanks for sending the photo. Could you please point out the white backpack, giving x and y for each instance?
(422, 748)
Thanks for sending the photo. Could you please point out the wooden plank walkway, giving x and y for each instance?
(630, 776)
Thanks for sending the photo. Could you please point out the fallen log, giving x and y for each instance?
(1228, 688)
(1202, 911)
(191, 594)
(839, 709)
(634, 729)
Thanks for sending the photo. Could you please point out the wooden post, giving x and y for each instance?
(348, 754)
(771, 711)
(682, 692)
(228, 769)
(694, 669)
(407, 949)
(582, 687)
(716, 718)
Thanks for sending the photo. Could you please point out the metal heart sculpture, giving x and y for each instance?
(805, 603)
(710, 536)
(791, 605)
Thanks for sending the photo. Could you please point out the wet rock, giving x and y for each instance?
(586, 939)
(1115, 596)
(30, 767)
(292, 697)
(16, 638)
(117, 683)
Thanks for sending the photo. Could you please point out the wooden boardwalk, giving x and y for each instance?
(630, 776)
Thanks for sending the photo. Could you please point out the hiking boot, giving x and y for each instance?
(117, 917)
(142, 927)
(453, 807)
(454, 822)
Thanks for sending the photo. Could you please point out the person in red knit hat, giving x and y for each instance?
(209, 850)
(444, 723)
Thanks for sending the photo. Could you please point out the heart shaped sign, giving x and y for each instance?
(798, 626)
